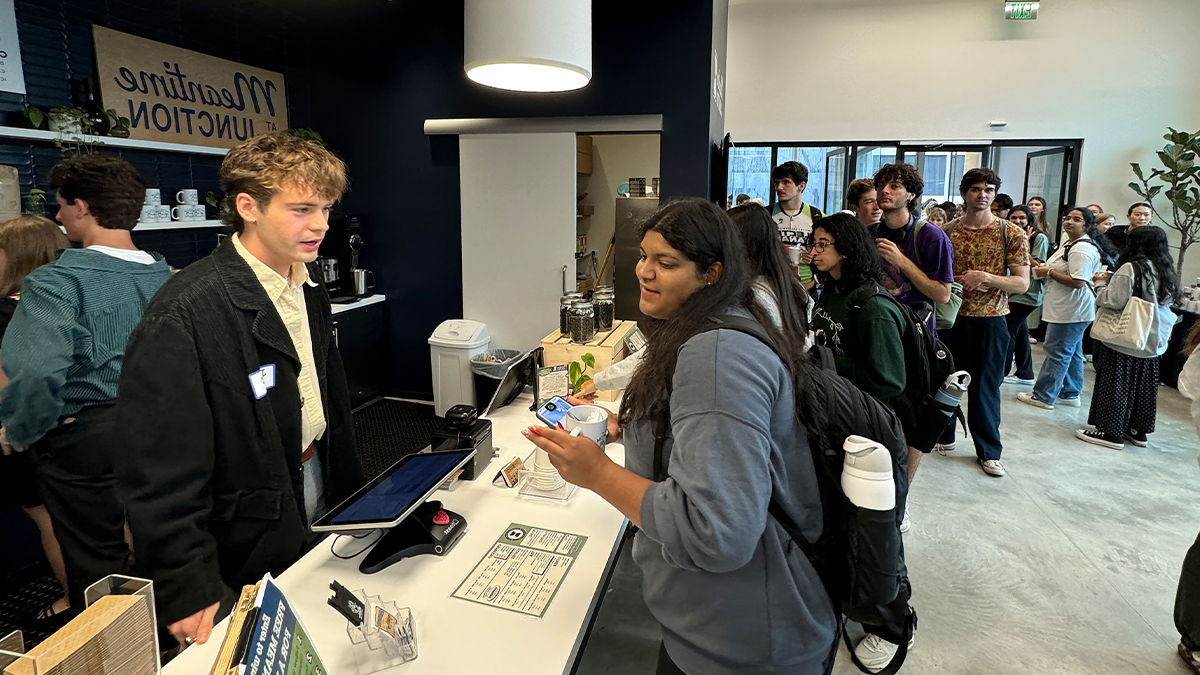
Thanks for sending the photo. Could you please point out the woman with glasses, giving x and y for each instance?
(1068, 307)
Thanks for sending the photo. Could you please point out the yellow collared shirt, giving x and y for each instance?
(288, 297)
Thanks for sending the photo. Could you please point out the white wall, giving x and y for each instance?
(615, 159)
(518, 230)
(1112, 72)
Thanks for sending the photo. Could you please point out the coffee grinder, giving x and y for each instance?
(335, 249)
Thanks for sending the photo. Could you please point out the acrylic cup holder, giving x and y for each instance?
(387, 637)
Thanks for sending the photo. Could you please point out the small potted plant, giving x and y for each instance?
(120, 125)
(67, 120)
(35, 117)
(35, 202)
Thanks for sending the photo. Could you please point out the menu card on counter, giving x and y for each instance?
(265, 637)
(523, 570)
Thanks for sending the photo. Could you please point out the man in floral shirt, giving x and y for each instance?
(991, 261)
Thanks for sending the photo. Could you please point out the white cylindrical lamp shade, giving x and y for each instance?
(529, 45)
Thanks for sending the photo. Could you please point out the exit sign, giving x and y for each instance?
(1021, 10)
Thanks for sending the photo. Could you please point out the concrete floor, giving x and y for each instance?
(1067, 565)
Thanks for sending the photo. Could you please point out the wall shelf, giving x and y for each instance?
(51, 136)
(178, 225)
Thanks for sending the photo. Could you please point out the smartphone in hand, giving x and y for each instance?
(553, 411)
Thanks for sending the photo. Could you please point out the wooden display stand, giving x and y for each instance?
(608, 348)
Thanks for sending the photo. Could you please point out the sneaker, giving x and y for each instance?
(1027, 398)
(1097, 437)
(1013, 379)
(1032, 340)
(904, 522)
(992, 467)
(1192, 658)
(876, 653)
(1069, 402)
(1137, 438)
(943, 448)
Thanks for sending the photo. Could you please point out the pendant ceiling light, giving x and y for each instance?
(529, 45)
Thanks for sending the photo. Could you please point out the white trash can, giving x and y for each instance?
(450, 350)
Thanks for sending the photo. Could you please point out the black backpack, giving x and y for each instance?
(928, 366)
(860, 554)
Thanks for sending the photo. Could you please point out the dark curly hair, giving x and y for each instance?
(1003, 202)
(978, 175)
(793, 170)
(1150, 244)
(906, 174)
(860, 259)
(113, 189)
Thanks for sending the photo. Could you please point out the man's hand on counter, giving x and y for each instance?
(196, 628)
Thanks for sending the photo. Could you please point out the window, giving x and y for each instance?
(750, 172)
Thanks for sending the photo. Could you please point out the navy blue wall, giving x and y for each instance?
(386, 78)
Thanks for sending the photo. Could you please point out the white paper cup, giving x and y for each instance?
(794, 253)
(595, 430)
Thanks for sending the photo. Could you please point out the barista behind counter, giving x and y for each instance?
(219, 485)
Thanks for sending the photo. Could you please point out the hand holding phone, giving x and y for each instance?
(553, 411)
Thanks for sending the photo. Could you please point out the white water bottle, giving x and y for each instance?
(867, 474)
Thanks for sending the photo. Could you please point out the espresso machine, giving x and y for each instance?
(337, 259)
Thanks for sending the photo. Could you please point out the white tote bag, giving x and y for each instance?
(1129, 327)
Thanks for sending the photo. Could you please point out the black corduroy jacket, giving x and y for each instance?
(211, 476)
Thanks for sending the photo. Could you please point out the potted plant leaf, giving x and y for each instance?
(120, 125)
(1179, 182)
(35, 202)
(67, 120)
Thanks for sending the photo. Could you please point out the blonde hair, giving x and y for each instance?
(935, 211)
(28, 243)
(263, 165)
(1101, 217)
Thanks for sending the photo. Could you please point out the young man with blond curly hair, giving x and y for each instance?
(234, 408)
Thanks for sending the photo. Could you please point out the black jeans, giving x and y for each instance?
(1187, 598)
(75, 475)
(1018, 341)
(978, 344)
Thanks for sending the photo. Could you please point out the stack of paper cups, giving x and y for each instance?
(545, 476)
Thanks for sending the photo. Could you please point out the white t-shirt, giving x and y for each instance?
(134, 256)
(794, 228)
(1063, 304)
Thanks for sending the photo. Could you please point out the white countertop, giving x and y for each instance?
(338, 308)
(453, 635)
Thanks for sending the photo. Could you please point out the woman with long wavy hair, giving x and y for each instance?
(1125, 397)
(730, 589)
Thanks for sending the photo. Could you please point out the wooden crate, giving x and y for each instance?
(607, 347)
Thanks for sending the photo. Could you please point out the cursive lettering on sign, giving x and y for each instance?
(174, 85)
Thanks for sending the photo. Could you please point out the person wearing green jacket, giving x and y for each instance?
(863, 330)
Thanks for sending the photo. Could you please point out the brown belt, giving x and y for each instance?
(308, 453)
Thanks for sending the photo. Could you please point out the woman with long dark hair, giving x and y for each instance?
(1125, 397)
(770, 272)
(1068, 307)
(731, 590)
(1021, 306)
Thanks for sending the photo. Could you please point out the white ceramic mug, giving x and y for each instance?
(153, 197)
(155, 213)
(592, 420)
(189, 213)
(187, 197)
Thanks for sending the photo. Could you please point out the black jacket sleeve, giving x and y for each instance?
(164, 467)
(344, 474)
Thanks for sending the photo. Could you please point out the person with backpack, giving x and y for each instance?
(1068, 307)
(1125, 395)
(792, 216)
(732, 593)
(991, 261)
(1021, 306)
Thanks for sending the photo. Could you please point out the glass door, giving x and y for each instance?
(868, 159)
(750, 172)
(835, 180)
(942, 169)
(1047, 175)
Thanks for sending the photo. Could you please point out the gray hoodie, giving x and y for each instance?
(733, 593)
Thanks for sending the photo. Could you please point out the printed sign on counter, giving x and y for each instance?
(179, 96)
(523, 569)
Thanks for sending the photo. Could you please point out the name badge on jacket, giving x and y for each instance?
(262, 379)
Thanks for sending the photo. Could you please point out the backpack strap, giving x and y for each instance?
(1067, 256)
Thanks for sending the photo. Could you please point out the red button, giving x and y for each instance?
(441, 518)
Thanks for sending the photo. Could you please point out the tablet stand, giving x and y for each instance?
(430, 529)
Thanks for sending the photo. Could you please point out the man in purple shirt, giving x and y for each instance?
(918, 258)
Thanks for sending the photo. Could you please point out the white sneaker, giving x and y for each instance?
(1191, 658)
(1013, 379)
(1027, 398)
(943, 448)
(904, 522)
(992, 467)
(876, 653)
(1032, 340)
(1069, 402)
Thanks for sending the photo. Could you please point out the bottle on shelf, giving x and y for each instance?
(96, 120)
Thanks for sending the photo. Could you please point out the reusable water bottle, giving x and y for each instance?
(951, 392)
(867, 474)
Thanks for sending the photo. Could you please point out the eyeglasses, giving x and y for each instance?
(821, 245)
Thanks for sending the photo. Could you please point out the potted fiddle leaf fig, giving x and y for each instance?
(1179, 182)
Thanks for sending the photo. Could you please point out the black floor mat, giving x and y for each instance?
(388, 430)
(19, 609)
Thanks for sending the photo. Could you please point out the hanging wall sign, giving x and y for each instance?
(180, 96)
(12, 77)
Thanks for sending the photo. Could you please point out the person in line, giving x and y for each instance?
(221, 485)
(742, 198)
(936, 216)
(62, 354)
(865, 333)
(1187, 593)
(731, 591)
(991, 261)
(1068, 308)
(863, 201)
(1021, 306)
(792, 216)
(952, 210)
(1095, 209)
(1038, 206)
(1105, 222)
(27, 243)
(1125, 395)
(1139, 215)
(1001, 206)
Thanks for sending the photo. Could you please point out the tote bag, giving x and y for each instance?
(1128, 327)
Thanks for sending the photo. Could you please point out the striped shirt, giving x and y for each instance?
(64, 347)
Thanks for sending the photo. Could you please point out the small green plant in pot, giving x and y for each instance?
(67, 120)
(35, 117)
(578, 370)
(1179, 182)
(120, 125)
(35, 202)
